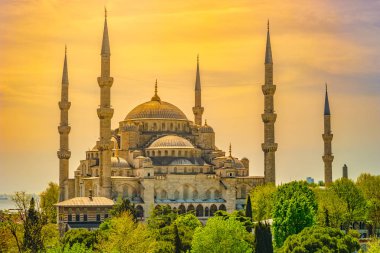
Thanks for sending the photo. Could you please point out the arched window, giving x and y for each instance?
(171, 126)
(163, 126)
(207, 212)
(175, 169)
(159, 152)
(166, 153)
(208, 194)
(125, 192)
(179, 153)
(185, 192)
(213, 209)
(139, 211)
(199, 211)
(153, 153)
(164, 194)
(154, 126)
(222, 207)
(217, 194)
(181, 209)
(190, 208)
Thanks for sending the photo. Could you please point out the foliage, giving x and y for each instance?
(262, 201)
(11, 232)
(75, 248)
(248, 208)
(222, 235)
(124, 205)
(79, 236)
(373, 246)
(122, 234)
(320, 239)
(353, 197)
(237, 215)
(32, 229)
(370, 186)
(48, 198)
(50, 235)
(294, 209)
(263, 238)
(331, 208)
(185, 225)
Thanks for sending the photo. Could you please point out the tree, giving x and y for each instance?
(294, 209)
(122, 234)
(320, 239)
(373, 246)
(48, 198)
(185, 226)
(124, 205)
(50, 235)
(79, 236)
(353, 197)
(222, 235)
(237, 215)
(370, 186)
(262, 201)
(11, 232)
(32, 229)
(263, 238)
(248, 208)
(331, 208)
(177, 240)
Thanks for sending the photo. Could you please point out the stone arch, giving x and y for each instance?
(243, 191)
(185, 192)
(195, 194)
(139, 211)
(164, 194)
(222, 207)
(199, 211)
(207, 211)
(190, 208)
(217, 194)
(176, 195)
(181, 209)
(125, 191)
(208, 194)
(213, 209)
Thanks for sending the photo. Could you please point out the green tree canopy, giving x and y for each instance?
(263, 238)
(320, 239)
(294, 209)
(222, 235)
(353, 197)
(262, 201)
(185, 224)
(79, 236)
(48, 198)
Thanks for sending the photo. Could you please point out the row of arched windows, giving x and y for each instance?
(187, 194)
(175, 153)
(199, 210)
(165, 126)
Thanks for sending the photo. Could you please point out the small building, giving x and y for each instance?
(83, 212)
(310, 180)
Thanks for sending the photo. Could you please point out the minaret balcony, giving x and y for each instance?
(268, 89)
(64, 105)
(64, 129)
(269, 147)
(328, 158)
(63, 154)
(198, 110)
(105, 112)
(327, 137)
(269, 117)
(105, 81)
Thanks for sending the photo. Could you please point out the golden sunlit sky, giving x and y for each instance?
(313, 42)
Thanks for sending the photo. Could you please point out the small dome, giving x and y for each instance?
(206, 128)
(119, 162)
(181, 161)
(156, 109)
(171, 141)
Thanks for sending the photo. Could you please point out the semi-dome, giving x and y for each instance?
(171, 141)
(156, 109)
(119, 162)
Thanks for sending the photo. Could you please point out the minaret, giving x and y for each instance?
(105, 113)
(64, 129)
(327, 138)
(345, 171)
(198, 109)
(269, 146)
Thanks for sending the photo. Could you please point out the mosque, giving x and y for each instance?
(156, 156)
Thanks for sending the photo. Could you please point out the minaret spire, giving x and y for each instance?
(64, 153)
(198, 109)
(156, 97)
(327, 138)
(269, 116)
(105, 113)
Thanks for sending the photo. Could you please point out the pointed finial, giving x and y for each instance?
(105, 12)
(156, 97)
(65, 76)
(65, 49)
(105, 42)
(205, 122)
(268, 24)
(230, 150)
(198, 76)
(197, 58)
(327, 104)
(268, 50)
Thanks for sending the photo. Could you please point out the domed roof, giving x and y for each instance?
(156, 110)
(171, 141)
(119, 162)
(206, 128)
(181, 161)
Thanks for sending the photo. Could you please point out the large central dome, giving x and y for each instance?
(156, 110)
